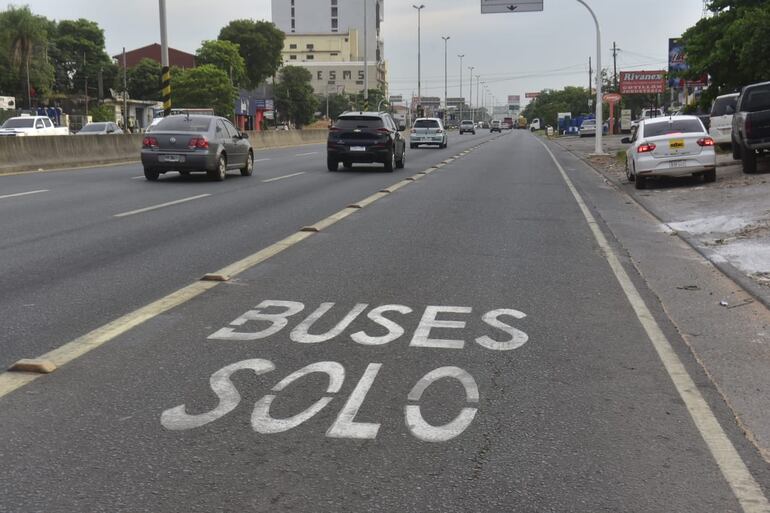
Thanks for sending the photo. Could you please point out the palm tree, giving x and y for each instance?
(23, 32)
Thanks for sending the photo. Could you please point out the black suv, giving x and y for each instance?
(365, 137)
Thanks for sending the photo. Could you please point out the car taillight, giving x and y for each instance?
(334, 129)
(748, 127)
(706, 141)
(383, 130)
(645, 148)
(150, 142)
(198, 143)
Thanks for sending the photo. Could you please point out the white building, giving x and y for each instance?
(319, 37)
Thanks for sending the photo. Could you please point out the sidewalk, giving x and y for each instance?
(728, 221)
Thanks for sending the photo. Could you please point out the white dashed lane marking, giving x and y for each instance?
(16, 195)
(162, 205)
(282, 177)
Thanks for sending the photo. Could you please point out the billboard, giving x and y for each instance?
(531, 96)
(427, 101)
(455, 102)
(514, 99)
(642, 82)
(677, 58)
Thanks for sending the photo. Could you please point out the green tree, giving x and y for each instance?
(203, 87)
(144, 80)
(375, 97)
(338, 103)
(78, 52)
(226, 56)
(24, 41)
(260, 44)
(732, 46)
(294, 96)
(547, 106)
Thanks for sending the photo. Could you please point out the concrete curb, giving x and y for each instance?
(756, 291)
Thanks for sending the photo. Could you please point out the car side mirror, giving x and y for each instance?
(244, 135)
(626, 140)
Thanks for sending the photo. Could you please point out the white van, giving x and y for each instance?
(722, 119)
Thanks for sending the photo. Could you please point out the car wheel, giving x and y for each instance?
(347, 165)
(629, 175)
(640, 182)
(412, 146)
(249, 168)
(749, 159)
(390, 162)
(184, 174)
(710, 176)
(151, 174)
(220, 172)
(332, 164)
(400, 163)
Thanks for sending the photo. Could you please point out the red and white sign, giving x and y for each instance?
(612, 97)
(642, 82)
(531, 96)
(514, 99)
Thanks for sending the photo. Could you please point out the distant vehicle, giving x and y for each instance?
(7, 103)
(588, 128)
(428, 131)
(496, 126)
(751, 125)
(26, 126)
(721, 119)
(535, 125)
(196, 143)
(671, 146)
(105, 128)
(521, 123)
(507, 123)
(467, 125)
(282, 127)
(365, 137)
(647, 114)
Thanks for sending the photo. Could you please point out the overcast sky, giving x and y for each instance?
(513, 53)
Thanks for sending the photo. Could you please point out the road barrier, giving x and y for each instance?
(18, 154)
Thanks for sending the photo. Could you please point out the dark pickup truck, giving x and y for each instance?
(751, 125)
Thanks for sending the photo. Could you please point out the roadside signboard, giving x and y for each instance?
(642, 82)
(531, 96)
(612, 97)
(510, 6)
(455, 102)
(625, 120)
(396, 99)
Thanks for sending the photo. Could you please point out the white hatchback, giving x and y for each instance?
(428, 131)
(670, 146)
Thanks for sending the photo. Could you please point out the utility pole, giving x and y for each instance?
(366, 57)
(419, 54)
(446, 94)
(461, 84)
(125, 93)
(85, 87)
(599, 149)
(166, 84)
(615, 51)
(478, 78)
(590, 78)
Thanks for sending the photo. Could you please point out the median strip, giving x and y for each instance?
(162, 205)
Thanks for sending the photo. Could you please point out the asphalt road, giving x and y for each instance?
(461, 344)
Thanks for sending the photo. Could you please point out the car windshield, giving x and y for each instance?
(184, 124)
(589, 123)
(428, 123)
(757, 99)
(19, 123)
(721, 105)
(467, 122)
(675, 126)
(94, 127)
(351, 122)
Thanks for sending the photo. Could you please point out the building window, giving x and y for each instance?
(310, 47)
(359, 82)
(334, 12)
(334, 54)
(292, 46)
(334, 24)
(293, 57)
(334, 2)
(292, 12)
(310, 57)
(292, 25)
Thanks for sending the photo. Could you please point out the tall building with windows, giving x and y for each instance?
(327, 38)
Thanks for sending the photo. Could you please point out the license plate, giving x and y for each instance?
(676, 144)
(677, 163)
(171, 158)
(358, 148)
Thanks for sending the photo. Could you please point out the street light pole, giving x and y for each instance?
(166, 84)
(446, 106)
(470, 94)
(461, 83)
(478, 78)
(366, 58)
(419, 53)
(599, 149)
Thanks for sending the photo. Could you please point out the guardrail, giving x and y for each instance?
(18, 154)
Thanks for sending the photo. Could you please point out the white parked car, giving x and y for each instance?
(428, 131)
(721, 126)
(25, 126)
(670, 146)
(588, 128)
(101, 128)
